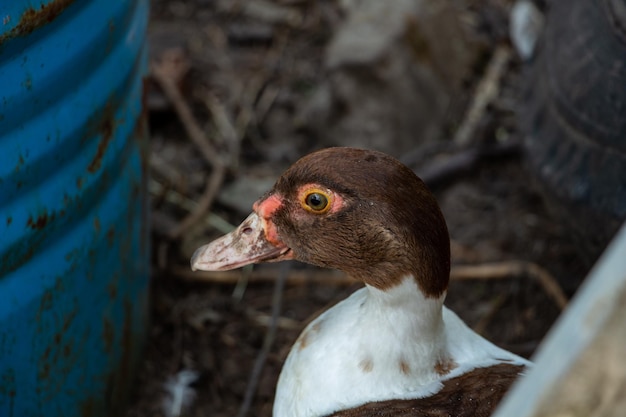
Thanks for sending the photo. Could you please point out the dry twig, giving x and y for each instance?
(253, 382)
(486, 91)
(225, 126)
(161, 72)
(508, 269)
(267, 320)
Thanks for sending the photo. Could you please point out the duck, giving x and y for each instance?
(391, 348)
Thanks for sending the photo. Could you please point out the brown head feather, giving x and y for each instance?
(389, 226)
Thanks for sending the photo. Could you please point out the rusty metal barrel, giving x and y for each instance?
(74, 238)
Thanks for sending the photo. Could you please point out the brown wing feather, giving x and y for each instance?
(475, 394)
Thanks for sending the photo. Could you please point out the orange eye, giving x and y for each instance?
(316, 201)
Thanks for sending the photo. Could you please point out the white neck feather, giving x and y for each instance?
(374, 345)
(412, 327)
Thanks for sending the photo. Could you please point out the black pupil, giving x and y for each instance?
(316, 201)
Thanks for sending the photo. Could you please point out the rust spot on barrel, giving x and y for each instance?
(119, 380)
(72, 255)
(111, 236)
(7, 386)
(10, 261)
(105, 129)
(20, 164)
(112, 290)
(41, 221)
(44, 371)
(69, 319)
(108, 335)
(33, 18)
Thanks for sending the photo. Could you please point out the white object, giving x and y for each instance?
(526, 24)
(180, 394)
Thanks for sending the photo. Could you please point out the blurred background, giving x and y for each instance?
(511, 111)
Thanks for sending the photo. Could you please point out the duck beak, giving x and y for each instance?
(247, 244)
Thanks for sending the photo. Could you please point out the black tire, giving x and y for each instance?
(574, 118)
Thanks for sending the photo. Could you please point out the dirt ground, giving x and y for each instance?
(258, 72)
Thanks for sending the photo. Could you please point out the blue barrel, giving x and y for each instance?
(74, 237)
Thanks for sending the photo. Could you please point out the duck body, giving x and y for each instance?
(391, 348)
(376, 346)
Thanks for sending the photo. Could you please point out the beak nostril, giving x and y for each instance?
(246, 230)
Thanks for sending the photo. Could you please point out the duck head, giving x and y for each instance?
(359, 211)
